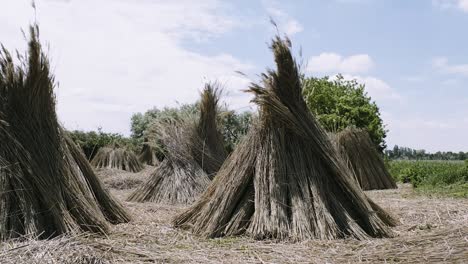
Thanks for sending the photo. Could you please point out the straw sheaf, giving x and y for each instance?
(193, 153)
(149, 154)
(207, 142)
(358, 151)
(115, 157)
(178, 179)
(285, 180)
(46, 188)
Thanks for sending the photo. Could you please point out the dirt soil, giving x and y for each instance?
(431, 230)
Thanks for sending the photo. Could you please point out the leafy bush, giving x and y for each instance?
(141, 121)
(90, 142)
(429, 173)
(339, 103)
(406, 153)
(233, 125)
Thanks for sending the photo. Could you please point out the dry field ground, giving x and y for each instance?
(432, 230)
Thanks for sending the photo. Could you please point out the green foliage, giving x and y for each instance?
(406, 153)
(140, 122)
(90, 142)
(430, 173)
(453, 190)
(340, 103)
(233, 125)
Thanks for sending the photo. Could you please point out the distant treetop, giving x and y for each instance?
(338, 103)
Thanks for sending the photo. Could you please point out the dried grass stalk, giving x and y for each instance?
(285, 180)
(61, 249)
(193, 150)
(115, 157)
(207, 141)
(178, 179)
(358, 151)
(46, 185)
(448, 245)
(149, 154)
(111, 208)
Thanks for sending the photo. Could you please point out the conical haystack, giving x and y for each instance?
(207, 143)
(285, 180)
(362, 157)
(149, 154)
(47, 187)
(178, 179)
(115, 157)
(191, 154)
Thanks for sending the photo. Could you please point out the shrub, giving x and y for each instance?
(90, 142)
(433, 173)
(233, 125)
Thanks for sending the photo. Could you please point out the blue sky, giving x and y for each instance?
(116, 57)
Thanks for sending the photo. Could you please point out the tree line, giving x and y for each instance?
(405, 153)
(335, 102)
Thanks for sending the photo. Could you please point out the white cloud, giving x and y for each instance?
(286, 24)
(432, 134)
(333, 63)
(446, 4)
(414, 78)
(116, 57)
(329, 62)
(292, 27)
(463, 5)
(352, 1)
(443, 66)
(377, 89)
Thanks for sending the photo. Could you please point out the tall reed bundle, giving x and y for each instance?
(361, 155)
(47, 188)
(207, 141)
(178, 179)
(149, 154)
(193, 151)
(285, 180)
(116, 157)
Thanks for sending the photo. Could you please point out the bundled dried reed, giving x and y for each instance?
(46, 185)
(207, 142)
(115, 157)
(359, 152)
(149, 154)
(193, 151)
(178, 179)
(285, 180)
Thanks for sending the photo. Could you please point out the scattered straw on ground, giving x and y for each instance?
(122, 180)
(431, 230)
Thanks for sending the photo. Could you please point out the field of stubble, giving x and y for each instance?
(431, 230)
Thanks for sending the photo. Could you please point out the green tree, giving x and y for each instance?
(233, 125)
(340, 103)
(92, 141)
(141, 121)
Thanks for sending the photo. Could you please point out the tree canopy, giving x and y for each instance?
(92, 141)
(141, 121)
(405, 153)
(338, 103)
(233, 125)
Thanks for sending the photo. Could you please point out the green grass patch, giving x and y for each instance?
(458, 190)
(433, 177)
